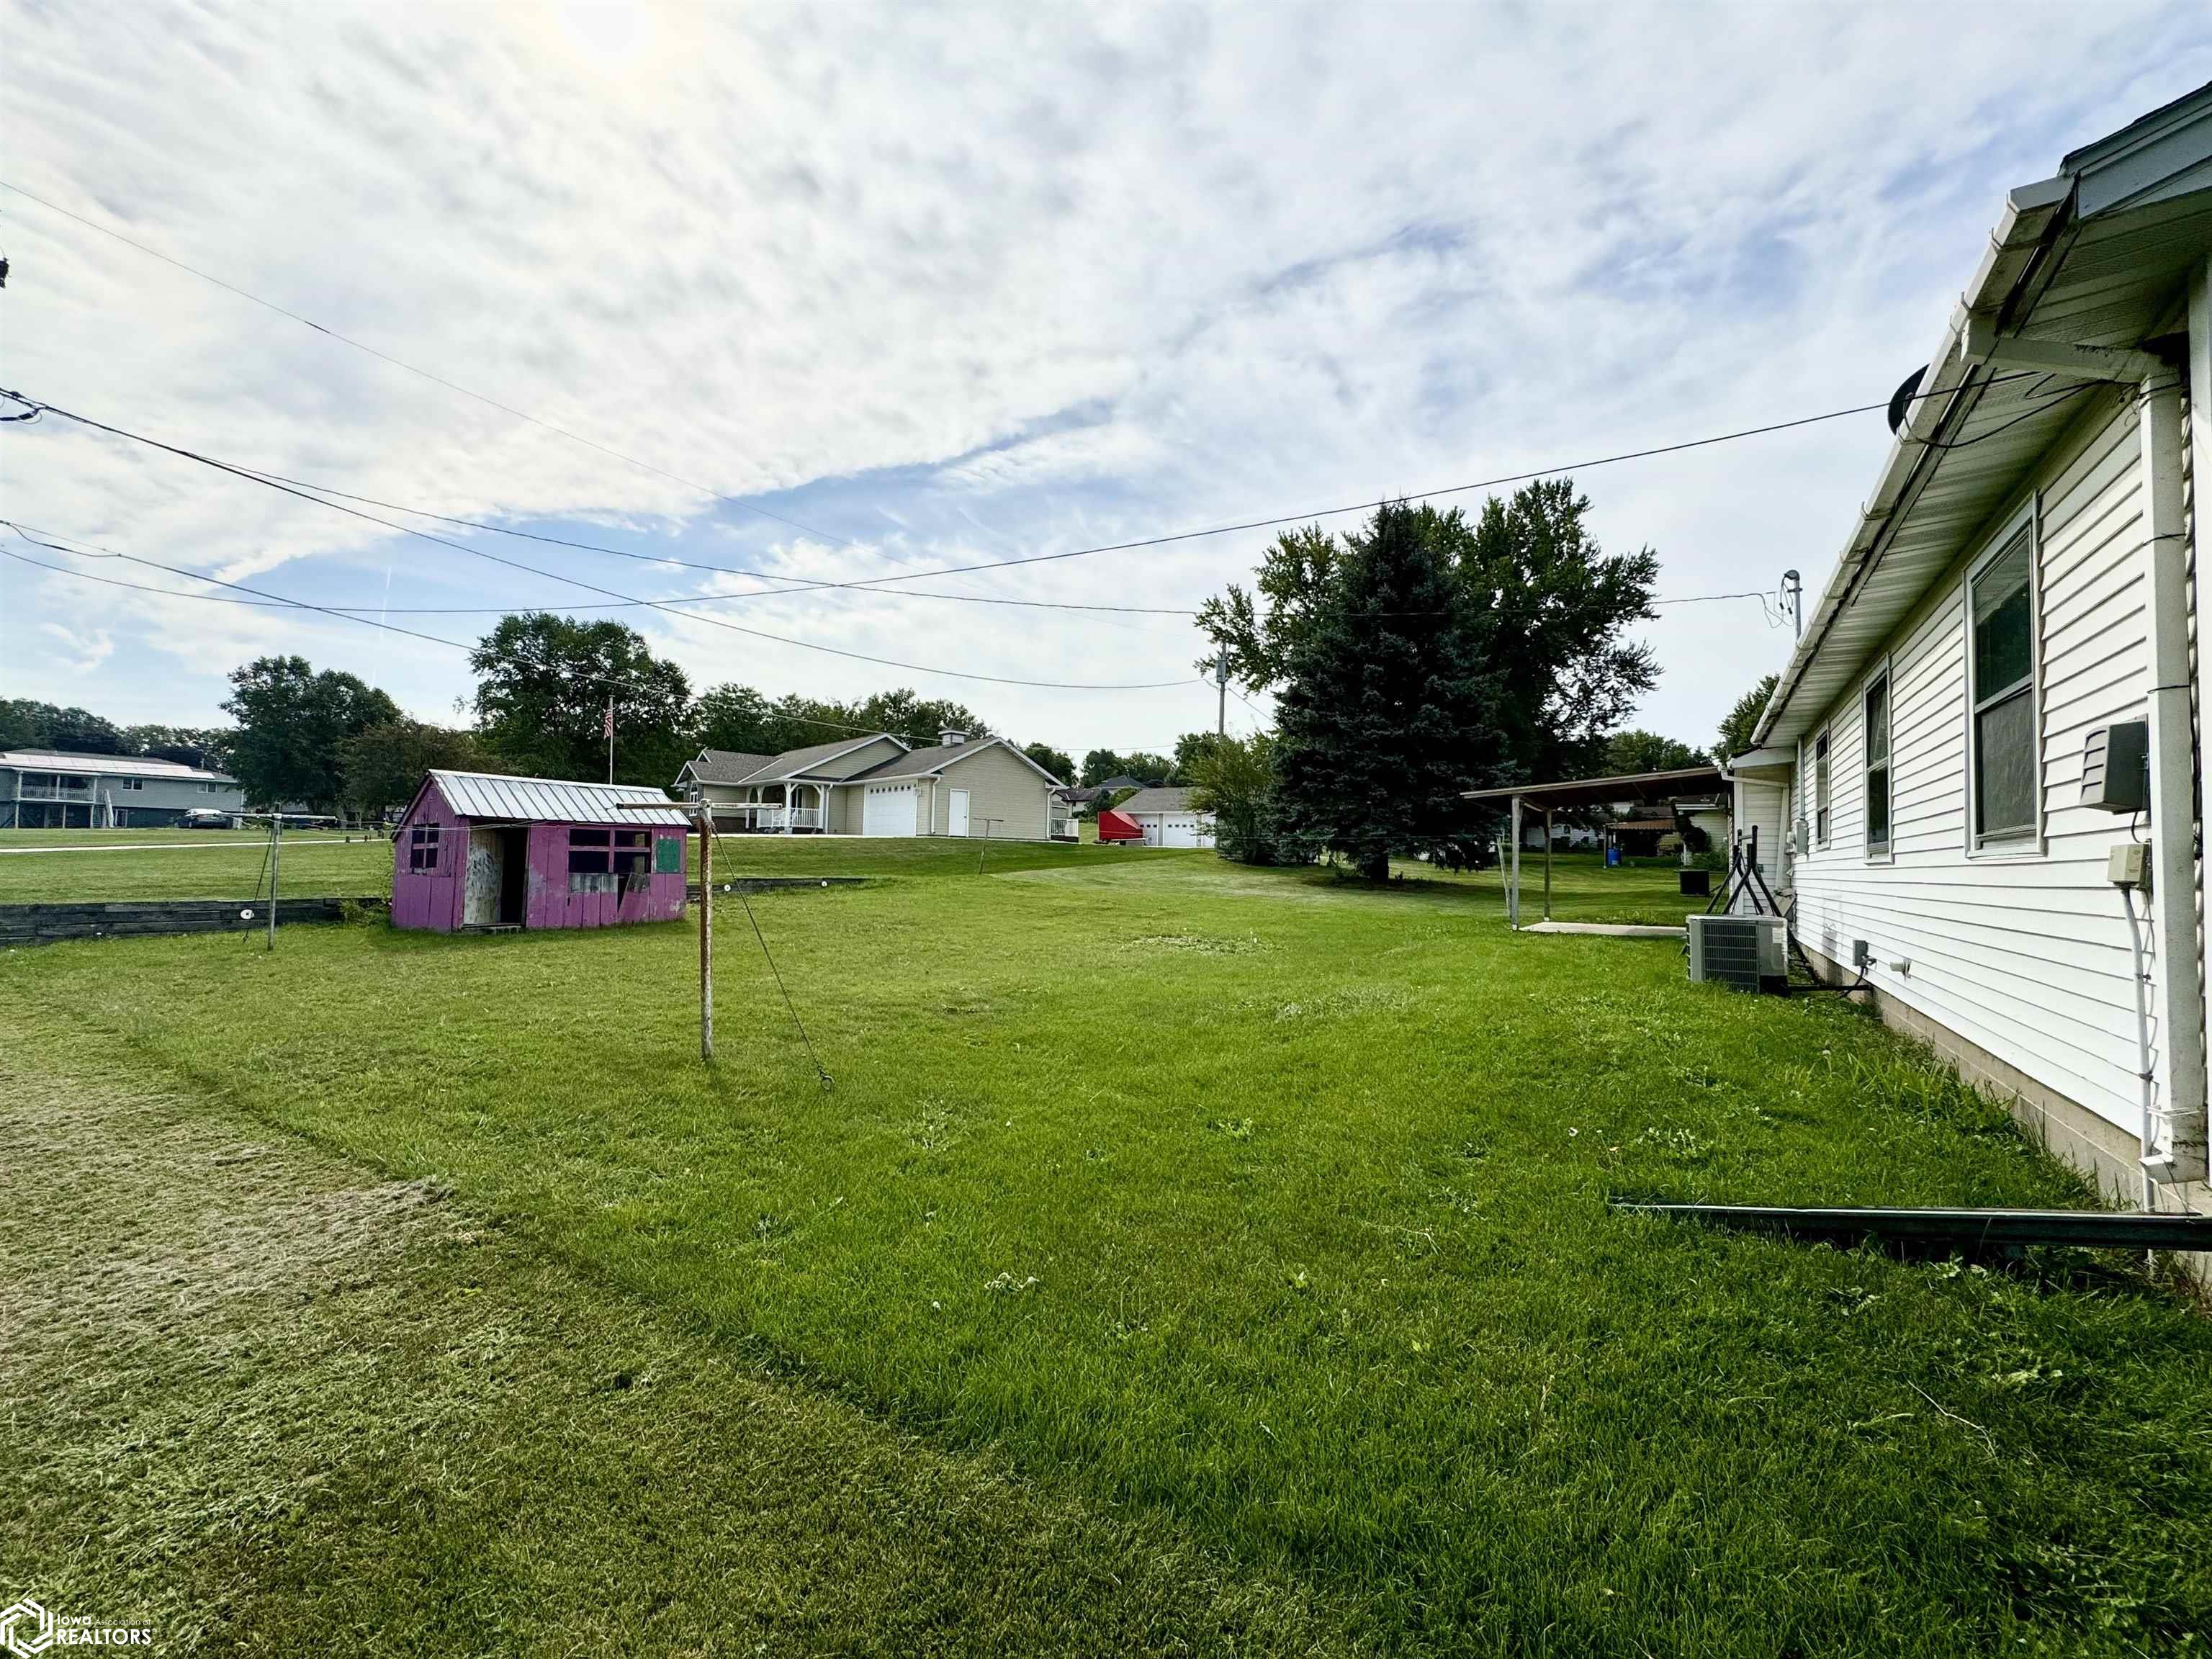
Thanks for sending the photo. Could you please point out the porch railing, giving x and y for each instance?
(765, 816)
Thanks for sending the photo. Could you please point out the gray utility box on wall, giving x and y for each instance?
(2116, 767)
(1748, 952)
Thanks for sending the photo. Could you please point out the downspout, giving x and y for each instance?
(2173, 1136)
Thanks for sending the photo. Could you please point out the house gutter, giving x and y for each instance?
(2034, 218)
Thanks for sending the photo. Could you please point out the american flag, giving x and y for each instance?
(609, 732)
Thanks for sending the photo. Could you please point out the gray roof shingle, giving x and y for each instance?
(1157, 800)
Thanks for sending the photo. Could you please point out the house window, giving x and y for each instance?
(134, 783)
(1821, 790)
(591, 852)
(2002, 602)
(211, 788)
(423, 848)
(1877, 766)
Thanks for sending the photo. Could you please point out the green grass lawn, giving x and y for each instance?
(1268, 1212)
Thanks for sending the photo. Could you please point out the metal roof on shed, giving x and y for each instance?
(551, 800)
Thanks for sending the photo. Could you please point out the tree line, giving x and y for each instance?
(545, 686)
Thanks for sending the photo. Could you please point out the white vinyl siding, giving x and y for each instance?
(2025, 955)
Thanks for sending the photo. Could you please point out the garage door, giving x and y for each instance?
(1184, 829)
(888, 810)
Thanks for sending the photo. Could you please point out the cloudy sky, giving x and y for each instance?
(838, 293)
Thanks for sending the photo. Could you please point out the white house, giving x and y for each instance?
(1168, 818)
(2017, 592)
(874, 784)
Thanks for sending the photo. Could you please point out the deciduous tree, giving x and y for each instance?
(1054, 761)
(542, 685)
(383, 765)
(1646, 751)
(1741, 721)
(293, 725)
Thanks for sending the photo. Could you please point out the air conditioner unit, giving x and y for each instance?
(1748, 952)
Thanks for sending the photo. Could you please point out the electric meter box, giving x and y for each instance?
(2116, 768)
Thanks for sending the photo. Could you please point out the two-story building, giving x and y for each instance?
(49, 789)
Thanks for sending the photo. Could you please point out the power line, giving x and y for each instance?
(593, 587)
(398, 362)
(995, 564)
(265, 598)
(1427, 495)
(798, 584)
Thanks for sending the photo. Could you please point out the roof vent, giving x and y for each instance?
(951, 737)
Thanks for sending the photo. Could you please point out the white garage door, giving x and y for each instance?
(1183, 830)
(888, 810)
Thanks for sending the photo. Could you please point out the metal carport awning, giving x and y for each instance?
(1587, 791)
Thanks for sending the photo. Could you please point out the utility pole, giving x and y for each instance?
(1221, 694)
(275, 850)
(706, 822)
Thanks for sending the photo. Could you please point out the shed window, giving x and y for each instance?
(591, 852)
(1820, 789)
(422, 847)
(2001, 597)
(1877, 766)
(633, 852)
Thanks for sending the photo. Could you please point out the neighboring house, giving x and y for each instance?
(1069, 802)
(2019, 587)
(1167, 818)
(1713, 814)
(477, 851)
(876, 785)
(47, 789)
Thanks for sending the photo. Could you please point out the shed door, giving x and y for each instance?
(486, 878)
(888, 810)
(955, 821)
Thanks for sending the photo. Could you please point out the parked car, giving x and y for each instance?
(208, 818)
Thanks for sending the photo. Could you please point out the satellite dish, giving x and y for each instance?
(1900, 401)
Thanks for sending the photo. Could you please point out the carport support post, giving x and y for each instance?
(1547, 864)
(1513, 888)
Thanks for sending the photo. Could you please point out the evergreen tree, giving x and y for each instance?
(1386, 713)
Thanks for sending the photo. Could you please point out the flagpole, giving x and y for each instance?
(610, 737)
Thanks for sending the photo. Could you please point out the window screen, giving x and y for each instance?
(2005, 769)
(1877, 765)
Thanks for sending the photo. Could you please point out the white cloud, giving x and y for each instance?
(976, 284)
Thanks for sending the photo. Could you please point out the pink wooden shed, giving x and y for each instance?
(477, 852)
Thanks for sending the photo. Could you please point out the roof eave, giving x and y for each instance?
(2032, 214)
